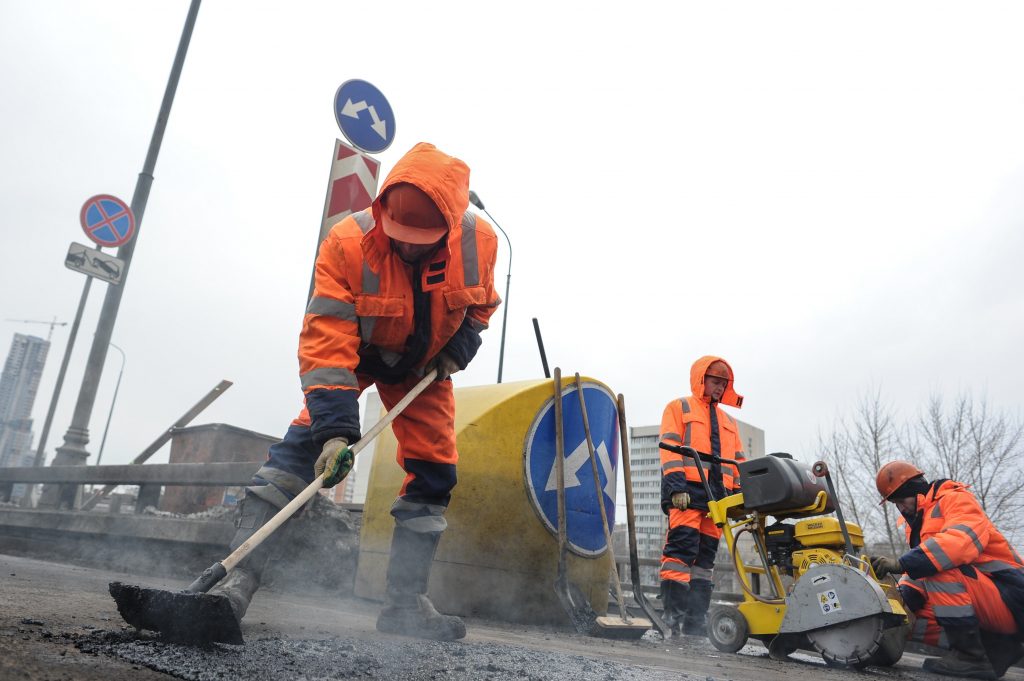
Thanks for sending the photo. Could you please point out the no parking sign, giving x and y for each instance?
(107, 220)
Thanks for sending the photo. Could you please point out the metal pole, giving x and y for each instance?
(475, 200)
(540, 346)
(41, 451)
(110, 414)
(73, 451)
(508, 283)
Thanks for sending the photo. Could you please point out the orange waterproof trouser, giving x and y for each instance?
(955, 599)
(690, 546)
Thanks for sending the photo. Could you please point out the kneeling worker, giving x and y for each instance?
(401, 288)
(691, 544)
(960, 577)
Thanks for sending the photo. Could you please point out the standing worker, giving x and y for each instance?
(960, 577)
(401, 288)
(688, 558)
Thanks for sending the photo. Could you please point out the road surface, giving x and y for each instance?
(58, 622)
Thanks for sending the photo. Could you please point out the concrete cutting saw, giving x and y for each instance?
(809, 587)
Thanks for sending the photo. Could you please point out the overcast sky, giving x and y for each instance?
(826, 194)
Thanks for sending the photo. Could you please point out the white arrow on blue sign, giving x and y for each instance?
(584, 529)
(364, 116)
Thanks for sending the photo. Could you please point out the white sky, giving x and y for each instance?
(826, 194)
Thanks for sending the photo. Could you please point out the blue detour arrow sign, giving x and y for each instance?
(364, 116)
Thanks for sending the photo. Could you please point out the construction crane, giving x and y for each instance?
(35, 321)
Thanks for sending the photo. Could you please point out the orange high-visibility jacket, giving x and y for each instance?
(954, 531)
(362, 312)
(687, 421)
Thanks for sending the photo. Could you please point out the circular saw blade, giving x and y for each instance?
(850, 643)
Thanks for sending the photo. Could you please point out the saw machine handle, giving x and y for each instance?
(820, 469)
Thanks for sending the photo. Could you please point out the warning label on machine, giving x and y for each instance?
(829, 601)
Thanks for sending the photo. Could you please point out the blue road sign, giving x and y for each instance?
(107, 220)
(364, 116)
(583, 516)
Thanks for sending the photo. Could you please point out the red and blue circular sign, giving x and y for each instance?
(107, 220)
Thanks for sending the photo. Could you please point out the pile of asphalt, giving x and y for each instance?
(349, 658)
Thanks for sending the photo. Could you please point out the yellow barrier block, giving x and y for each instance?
(499, 555)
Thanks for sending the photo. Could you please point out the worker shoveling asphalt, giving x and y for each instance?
(402, 290)
(195, 616)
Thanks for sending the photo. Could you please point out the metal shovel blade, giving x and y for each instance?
(179, 616)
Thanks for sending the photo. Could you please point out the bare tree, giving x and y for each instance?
(974, 445)
(857, 448)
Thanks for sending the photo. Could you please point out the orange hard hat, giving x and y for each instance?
(719, 369)
(410, 215)
(892, 475)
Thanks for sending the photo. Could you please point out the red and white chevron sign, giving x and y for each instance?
(352, 185)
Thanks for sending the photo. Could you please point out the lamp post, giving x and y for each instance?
(103, 442)
(475, 200)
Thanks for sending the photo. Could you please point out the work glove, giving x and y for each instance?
(681, 500)
(445, 365)
(884, 565)
(335, 462)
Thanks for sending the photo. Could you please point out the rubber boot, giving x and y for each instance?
(1004, 651)
(407, 610)
(242, 582)
(966, 658)
(695, 622)
(674, 596)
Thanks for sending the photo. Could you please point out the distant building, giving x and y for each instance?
(645, 469)
(19, 384)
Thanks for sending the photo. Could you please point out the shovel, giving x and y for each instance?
(634, 560)
(622, 626)
(194, 616)
(571, 596)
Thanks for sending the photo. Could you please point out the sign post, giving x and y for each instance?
(368, 123)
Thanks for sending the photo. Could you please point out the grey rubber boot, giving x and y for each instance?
(407, 610)
(242, 582)
(967, 657)
(695, 623)
(674, 597)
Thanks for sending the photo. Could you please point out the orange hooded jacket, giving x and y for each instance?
(362, 317)
(687, 421)
(954, 530)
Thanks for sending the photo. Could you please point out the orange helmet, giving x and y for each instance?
(719, 369)
(410, 215)
(892, 475)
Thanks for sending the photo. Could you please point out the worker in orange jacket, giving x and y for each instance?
(400, 289)
(960, 577)
(688, 558)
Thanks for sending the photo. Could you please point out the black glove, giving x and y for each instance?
(884, 565)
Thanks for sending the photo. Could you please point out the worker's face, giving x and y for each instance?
(907, 506)
(413, 253)
(714, 387)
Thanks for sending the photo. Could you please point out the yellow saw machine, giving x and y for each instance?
(810, 586)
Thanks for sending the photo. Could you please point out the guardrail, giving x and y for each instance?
(200, 474)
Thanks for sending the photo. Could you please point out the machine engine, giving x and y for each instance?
(813, 541)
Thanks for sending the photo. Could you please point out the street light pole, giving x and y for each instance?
(103, 442)
(73, 451)
(475, 200)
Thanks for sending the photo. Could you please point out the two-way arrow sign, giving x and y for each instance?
(352, 111)
(372, 133)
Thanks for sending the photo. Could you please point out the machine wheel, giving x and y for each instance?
(727, 628)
